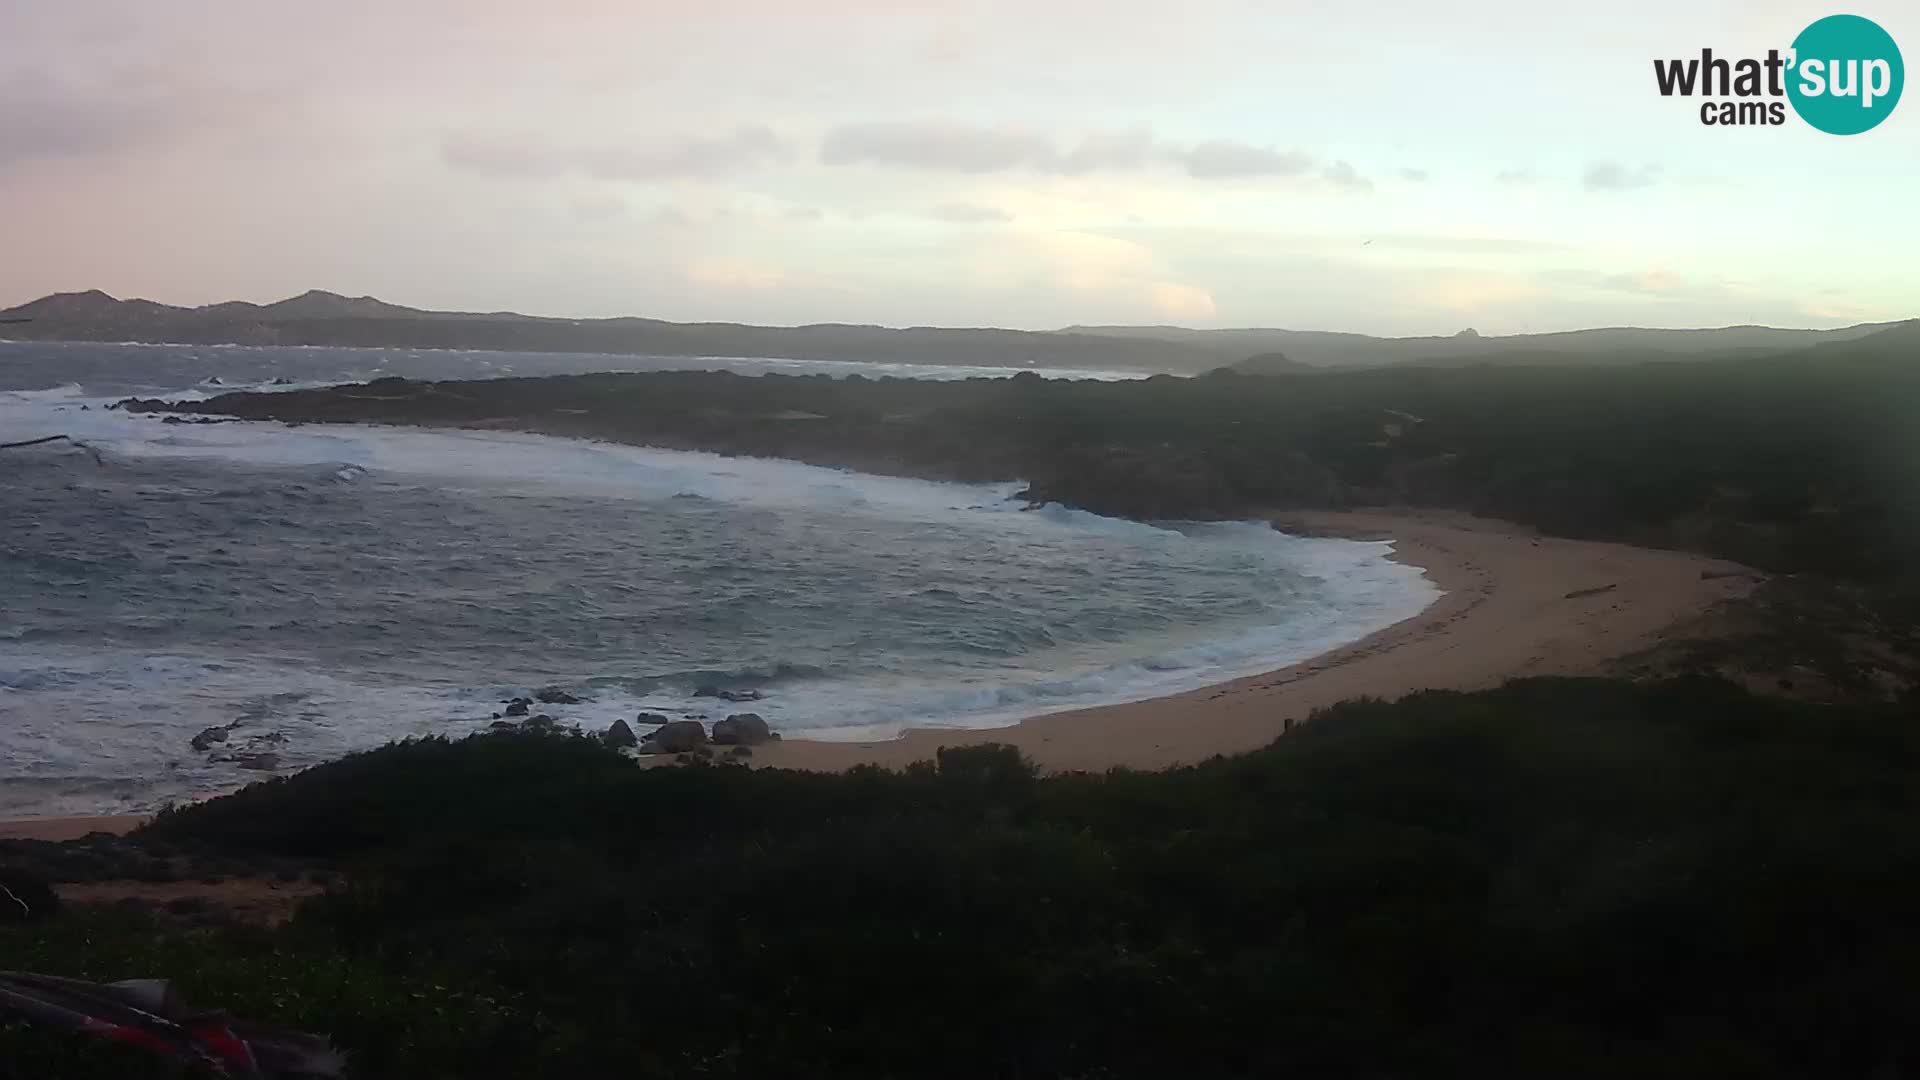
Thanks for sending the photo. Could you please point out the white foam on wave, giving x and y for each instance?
(114, 707)
(91, 730)
(505, 462)
(1356, 591)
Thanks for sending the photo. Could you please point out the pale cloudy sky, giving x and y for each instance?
(1386, 167)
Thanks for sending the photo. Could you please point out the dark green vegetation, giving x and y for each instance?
(1809, 462)
(1559, 878)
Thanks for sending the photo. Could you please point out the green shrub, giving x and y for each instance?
(1560, 877)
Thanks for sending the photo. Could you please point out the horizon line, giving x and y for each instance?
(1068, 328)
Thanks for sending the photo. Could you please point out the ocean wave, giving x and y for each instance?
(751, 677)
(340, 587)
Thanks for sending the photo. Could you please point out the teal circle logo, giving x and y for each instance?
(1845, 75)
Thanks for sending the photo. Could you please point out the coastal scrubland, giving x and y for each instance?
(1560, 877)
(1658, 874)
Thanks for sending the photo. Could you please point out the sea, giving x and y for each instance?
(316, 590)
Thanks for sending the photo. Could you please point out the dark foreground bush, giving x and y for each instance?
(1559, 878)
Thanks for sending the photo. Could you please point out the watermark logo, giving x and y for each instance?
(1843, 75)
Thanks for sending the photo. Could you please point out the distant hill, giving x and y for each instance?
(325, 318)
(1621, 344)
(1269, 363)
(1892, 344)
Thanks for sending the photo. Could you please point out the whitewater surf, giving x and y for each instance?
(316, 590)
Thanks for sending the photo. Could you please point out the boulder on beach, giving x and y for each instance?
(553, 695)
(620, 735)
(741, 729)
(653, 719)
(678, 736)
(543, 722)
(503, 725)
(516, 707)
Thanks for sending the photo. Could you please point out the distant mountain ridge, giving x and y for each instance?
(318, 317)
(1325, 348)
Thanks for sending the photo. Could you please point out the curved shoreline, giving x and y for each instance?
(1514, 604)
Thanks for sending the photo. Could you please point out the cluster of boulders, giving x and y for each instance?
(536, 722)
(653, 733)
(740, 731)
(520, 707)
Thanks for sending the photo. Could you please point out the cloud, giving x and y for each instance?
(1226, 159)
(39, 118)
(1516, 177)
(1343, 176)
(1612, 176)
(1090, 262)
(520, 156)
(1838, 312)
(1461, 292)
(502, 156)
(45, 116)
(961, 213)
(742, 148)
(1656, 281)
(945, 147)
(962, 148)
(735, 275)
(1110, 151)
(1651, 283)
(1475, 245)
(598, 208)
(1412, 176)
(1127, 277)
(1177, 301)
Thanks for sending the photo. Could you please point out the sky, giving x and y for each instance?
(1382, 167)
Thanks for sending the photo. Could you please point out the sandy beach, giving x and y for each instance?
(68, 828)
(1515, 604)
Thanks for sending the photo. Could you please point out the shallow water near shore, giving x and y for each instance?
(325, 589)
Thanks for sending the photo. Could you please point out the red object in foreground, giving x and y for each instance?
(148, 1013)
